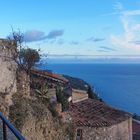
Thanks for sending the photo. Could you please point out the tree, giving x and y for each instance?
(29, 57)
(24, 56)
(62, 99)
(90, 93)
(59, 94)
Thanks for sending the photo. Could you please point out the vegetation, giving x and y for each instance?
(18, 111)
(24, 56)
(71, 130)
(77, 83)
(52, 108)
(91, 93)
(43, 91)
(80, 84)
(25, 107)
(136, 117)
(29, 57)
(62, 99)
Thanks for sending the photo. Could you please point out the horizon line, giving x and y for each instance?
(91, 56)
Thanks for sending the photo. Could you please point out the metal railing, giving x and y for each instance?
(6, 124)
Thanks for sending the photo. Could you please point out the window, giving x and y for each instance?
(79, 134)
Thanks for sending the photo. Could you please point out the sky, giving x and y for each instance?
(75, 27)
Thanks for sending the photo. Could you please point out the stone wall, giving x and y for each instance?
(79, 95)
(121, 131)
(23, 83)
(7, 67)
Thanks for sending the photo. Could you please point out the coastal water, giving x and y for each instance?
(116, 84)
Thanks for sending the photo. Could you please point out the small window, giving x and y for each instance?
(79, 134)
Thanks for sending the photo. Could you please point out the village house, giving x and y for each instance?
(95, 120)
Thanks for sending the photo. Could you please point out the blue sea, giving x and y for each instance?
(117, 84)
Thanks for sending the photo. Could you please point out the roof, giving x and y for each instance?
(47, 74)
(93, 113)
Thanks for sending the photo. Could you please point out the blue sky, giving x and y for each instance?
(75, 27)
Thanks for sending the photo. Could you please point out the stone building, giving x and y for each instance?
(50, 77)
(95, 120)
(53, 80)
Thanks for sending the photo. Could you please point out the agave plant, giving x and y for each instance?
(43, 91)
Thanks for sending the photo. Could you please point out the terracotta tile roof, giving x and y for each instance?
(93, 113)
(47, 74)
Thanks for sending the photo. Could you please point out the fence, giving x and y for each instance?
(5, 125)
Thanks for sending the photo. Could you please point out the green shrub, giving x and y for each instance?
(135, 116)
(62, 99)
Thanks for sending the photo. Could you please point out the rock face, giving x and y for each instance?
(7, 66)
(35, 120)
(8, 70)
(29, 114)
(45, 129)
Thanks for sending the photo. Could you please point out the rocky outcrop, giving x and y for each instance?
(31, 115)
(36, 122)
(8, 69)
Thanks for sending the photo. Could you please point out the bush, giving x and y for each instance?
(135, 116)
(91, 94)
(62, 99)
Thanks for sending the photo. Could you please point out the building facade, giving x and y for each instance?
(95, 120)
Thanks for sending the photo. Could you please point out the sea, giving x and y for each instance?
(117, 84)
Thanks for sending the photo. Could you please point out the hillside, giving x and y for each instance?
(77, 83)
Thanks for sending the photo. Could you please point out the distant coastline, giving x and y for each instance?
(107, 59)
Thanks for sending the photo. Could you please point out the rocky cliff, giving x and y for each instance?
(35, 117)
(36, 122)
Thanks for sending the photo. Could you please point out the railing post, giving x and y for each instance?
(4, 131)
(6, 124)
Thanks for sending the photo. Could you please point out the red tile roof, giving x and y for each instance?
(94, 113)
(47, 74)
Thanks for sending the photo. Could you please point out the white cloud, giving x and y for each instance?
(119, 9)
(131, 33)
(118, 6)
(131, 12)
